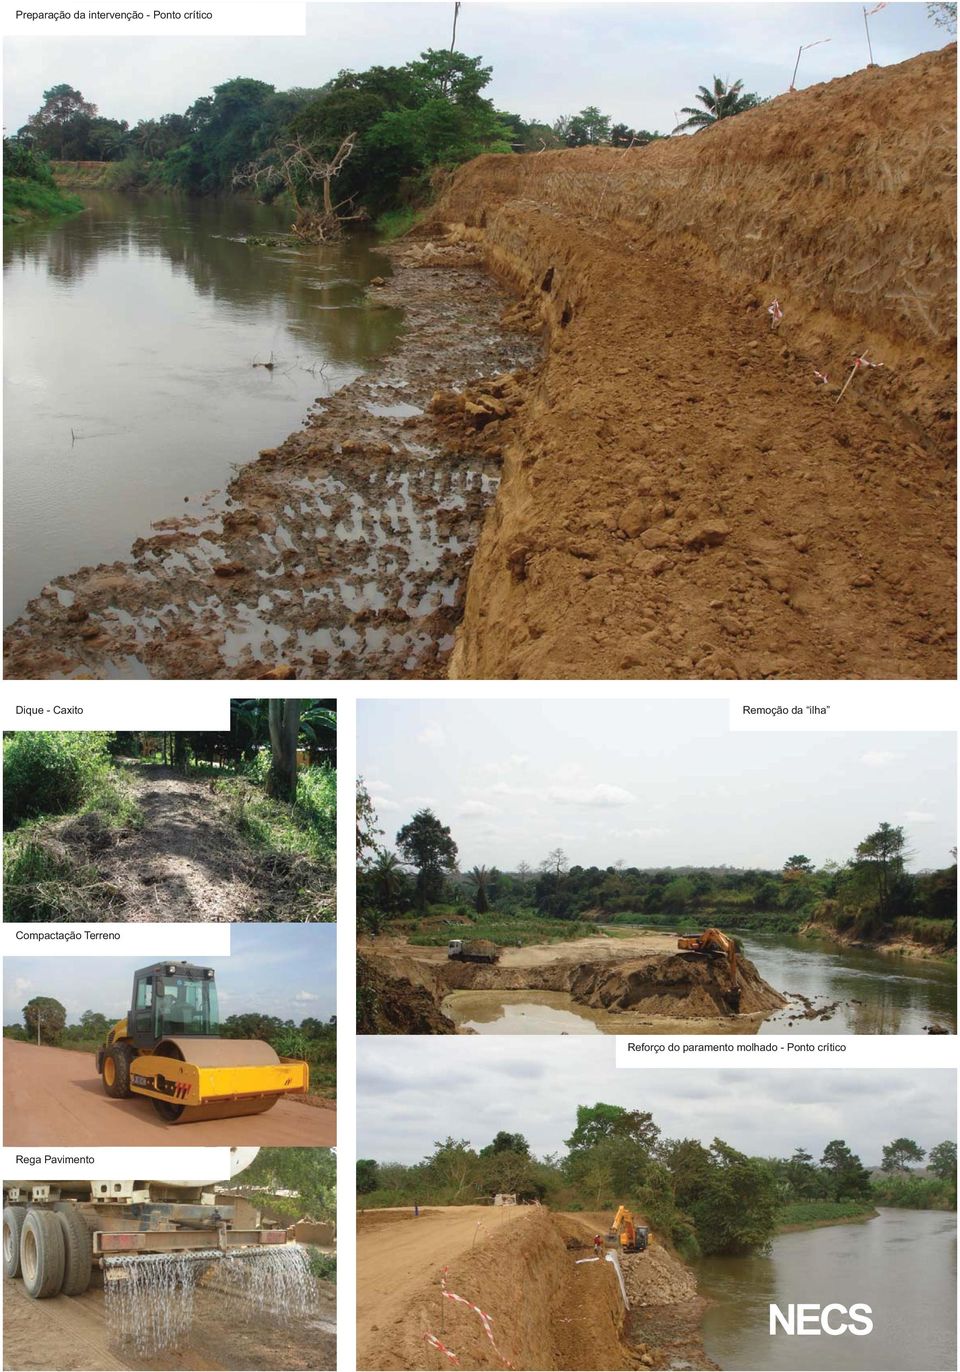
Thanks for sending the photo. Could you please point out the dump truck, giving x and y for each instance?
(625, 1235)
(473, 950)
(168, 1049)
(57, 1234)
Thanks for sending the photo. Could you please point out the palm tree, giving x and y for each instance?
(478, 878)
(719, 103)
(388, 877)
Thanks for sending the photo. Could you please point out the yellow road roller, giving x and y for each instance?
(168, 1049)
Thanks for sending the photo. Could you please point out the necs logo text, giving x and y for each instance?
(821, 1319)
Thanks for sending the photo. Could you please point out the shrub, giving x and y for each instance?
(322, 1265)
(48, 773)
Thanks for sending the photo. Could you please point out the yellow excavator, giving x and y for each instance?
(627, 1236)
(714, 943)
(168, 1049)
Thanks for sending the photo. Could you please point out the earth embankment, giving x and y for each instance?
(618, 977)
(519, 1265)
(683, 496)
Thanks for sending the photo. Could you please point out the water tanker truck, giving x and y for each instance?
(472, 950)
(57, 1233)
(168, 1049)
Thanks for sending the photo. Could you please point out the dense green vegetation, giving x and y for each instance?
(275, 768)
(871, 897)
(700, 1199)
(295, 1184)
(29, 191)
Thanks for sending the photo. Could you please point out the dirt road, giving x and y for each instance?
(53, 1097)
(70, 1334)
(188, 861)
(395, 1261)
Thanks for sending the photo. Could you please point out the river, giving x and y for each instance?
(878, 993)
(902, 1264)
(132, 330)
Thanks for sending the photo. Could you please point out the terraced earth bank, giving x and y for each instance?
(403, 987)
(682, 497)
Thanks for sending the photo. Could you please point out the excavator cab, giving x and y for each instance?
(172, 1000)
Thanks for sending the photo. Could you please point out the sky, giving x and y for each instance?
(639, 62)
(288, 970)
(472, 1087)
(655, 783)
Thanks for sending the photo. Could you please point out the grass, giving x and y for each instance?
(25, 201)
(41, 881)
(308, 827)
(395, 223)
(813, 1214)
(514, 930)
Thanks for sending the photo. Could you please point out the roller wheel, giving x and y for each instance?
(42, 1254)
(116, 1071)
(13, 1217)
(78, 1252)
(168, 1112)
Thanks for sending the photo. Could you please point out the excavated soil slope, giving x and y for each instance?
(409, 988)
(682, 497)
(520, 1268)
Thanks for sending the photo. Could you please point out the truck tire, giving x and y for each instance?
(78, 1252)
(13, 1218)
(116, 1071)
(42, 1254)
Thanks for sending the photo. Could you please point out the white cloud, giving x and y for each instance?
(432, 735)
(919, 817)
(878, 759)
(22, 984)
(377, 785)
(475, 808)
(602, 793)
(383, 804)
(503, 788)
(305, 996)
(420, 802)
(644, 835)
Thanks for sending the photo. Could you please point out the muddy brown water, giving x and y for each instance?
(902, 1264)
(132, 331)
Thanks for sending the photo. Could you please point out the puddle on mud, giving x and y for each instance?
(519, 1012)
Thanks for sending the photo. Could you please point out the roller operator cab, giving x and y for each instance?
(169, 1049)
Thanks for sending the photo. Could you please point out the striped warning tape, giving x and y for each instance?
(441, 1347)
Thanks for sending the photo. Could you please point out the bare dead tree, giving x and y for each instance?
(298, 168)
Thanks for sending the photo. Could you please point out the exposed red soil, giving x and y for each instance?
(681, 497)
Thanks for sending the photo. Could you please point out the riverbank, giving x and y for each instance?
(822, 1214)
(898, 941)
(343, 551)
(683, 500)
(26, 201)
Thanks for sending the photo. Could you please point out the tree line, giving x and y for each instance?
(702, 1199)
(383, 135)
(45, 1021)
(866, 893)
